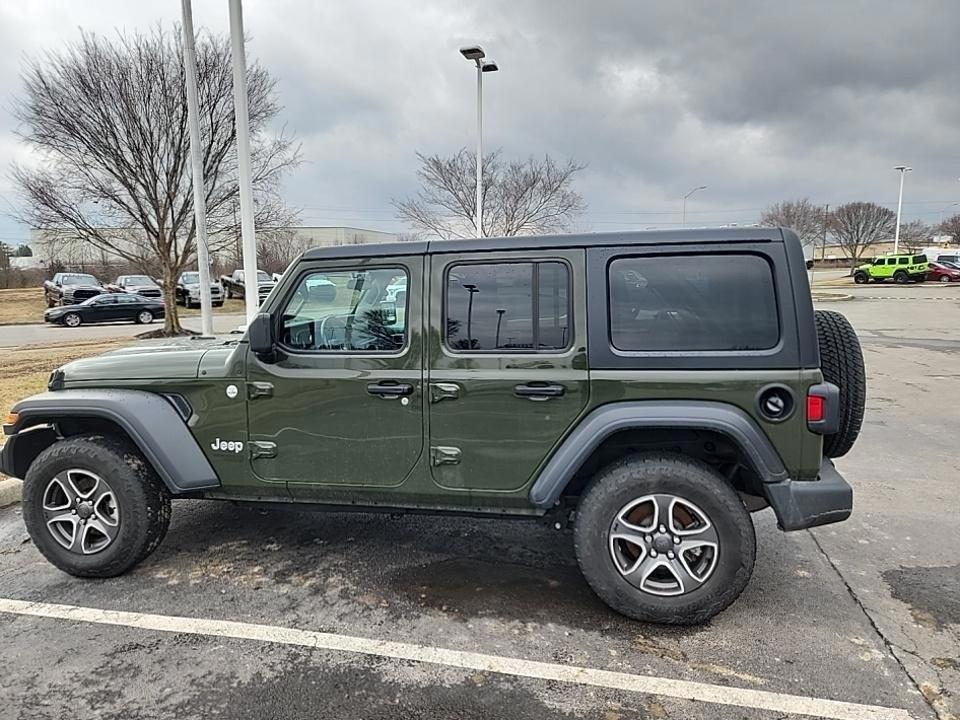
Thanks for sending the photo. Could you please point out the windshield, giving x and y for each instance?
(78, 280)
(138, 280)
(190, 278)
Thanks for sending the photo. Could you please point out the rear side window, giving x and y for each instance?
(508, 307)
(903, 261)
(919, 259)
(684, 303)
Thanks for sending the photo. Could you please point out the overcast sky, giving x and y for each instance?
(760, 102)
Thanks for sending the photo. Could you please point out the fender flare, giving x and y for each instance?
(150, 419)
(643, 414)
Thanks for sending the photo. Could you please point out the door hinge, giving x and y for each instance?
(259, 389)
(444, 391)
(262, 449)
(440, 455)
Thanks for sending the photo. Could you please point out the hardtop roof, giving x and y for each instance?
(536, 242)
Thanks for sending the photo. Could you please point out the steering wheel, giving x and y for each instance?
(328, 330)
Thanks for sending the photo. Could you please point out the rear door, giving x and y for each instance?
(507, 366)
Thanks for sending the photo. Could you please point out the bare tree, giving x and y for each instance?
(914, 235)
(950, 226)
(521, 197)
(801, 216)
(858, 225)
(109, 122)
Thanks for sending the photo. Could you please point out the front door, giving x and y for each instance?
(339, 408)
(508, 369)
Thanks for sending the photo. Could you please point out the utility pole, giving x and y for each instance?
(250, 288)
(199, 201)
(903, 169)
(826, 221)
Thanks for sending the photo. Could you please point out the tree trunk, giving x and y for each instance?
(171, 323)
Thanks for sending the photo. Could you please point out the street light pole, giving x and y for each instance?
(477, 55)
(683, 219)
(896, 238)
(250, 287)
(199, 201)
(945, 209)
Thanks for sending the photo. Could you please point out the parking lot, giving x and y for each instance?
(368, 616)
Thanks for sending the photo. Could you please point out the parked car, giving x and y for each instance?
(901, 267)
(188, 291)
(234, 284)
(941, 272)
(650, 417)
(108, 307)
(67, 288)
(137, 284)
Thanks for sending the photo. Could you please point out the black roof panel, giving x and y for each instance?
(536, 242)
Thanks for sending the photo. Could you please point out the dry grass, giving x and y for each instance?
(20, 306)
(26, 369)
(26, 305)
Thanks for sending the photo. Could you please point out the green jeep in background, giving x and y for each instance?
(649, 389)
(902, 268)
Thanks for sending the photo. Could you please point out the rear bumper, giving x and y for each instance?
(805, 504)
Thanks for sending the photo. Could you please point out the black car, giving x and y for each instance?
(110, 307)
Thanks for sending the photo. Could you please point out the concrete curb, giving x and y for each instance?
(10, 490)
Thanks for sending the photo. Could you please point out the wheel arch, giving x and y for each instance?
(154, 423)
(663, 424)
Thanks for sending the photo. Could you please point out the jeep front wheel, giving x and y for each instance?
(861, 278)
(94, 507)
(664, 538)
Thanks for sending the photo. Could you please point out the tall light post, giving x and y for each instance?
(896, 237)
(473, 290)
(683, 219)
(199, 202)
(242, 116)
(476, 54)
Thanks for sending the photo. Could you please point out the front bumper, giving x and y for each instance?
(805, 504)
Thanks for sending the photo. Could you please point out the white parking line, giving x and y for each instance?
(682, 689)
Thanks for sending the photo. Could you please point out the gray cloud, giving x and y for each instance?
(760, 101)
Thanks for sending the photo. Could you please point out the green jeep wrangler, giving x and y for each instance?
(649, 389)
(902, 268)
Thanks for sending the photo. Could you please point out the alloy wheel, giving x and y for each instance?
(81, 512)
(664, 545)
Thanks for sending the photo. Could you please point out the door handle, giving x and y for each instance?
(539, 392)
(390, 390)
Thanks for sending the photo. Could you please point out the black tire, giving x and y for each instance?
(861, 278)
(141, 497)
(944, 278)
(636, 476)
(841, 361)
(900, 277)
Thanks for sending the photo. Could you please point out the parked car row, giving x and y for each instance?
(908, 267)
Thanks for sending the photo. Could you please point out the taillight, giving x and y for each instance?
(816, 408)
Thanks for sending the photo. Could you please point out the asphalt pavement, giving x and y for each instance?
(371, 616)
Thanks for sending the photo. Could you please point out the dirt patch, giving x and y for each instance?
(933, 593)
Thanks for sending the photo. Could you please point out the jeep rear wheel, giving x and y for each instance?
(841, 361)
(94, 507)
(664, 538)
(901, 277)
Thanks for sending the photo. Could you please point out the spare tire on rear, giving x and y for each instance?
(841, 362)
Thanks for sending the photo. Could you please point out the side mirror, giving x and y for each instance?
(260, 334)
(389, 310)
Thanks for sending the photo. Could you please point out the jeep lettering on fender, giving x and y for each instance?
(649, 389)
(232, 446)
